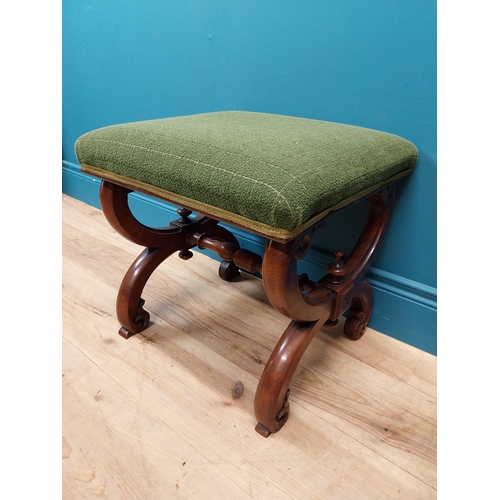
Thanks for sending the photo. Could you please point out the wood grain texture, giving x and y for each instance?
(169, 412)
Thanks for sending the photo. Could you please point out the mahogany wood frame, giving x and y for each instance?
(310, 305)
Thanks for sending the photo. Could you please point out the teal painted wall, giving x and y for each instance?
(370, 63)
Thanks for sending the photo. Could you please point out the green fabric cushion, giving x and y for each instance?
(276, 170)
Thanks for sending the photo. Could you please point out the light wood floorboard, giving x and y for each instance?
(153, 417)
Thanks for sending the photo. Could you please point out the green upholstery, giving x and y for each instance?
(269, 170)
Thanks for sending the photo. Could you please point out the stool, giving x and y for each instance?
(277, 176)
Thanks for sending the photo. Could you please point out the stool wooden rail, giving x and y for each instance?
(310, 305)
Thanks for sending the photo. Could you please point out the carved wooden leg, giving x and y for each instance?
(309, 311)
(129, 304)
(271, 398)
(159, 243)
(360, 311)
(314, 304)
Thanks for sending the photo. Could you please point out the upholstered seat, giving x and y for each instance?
(272, 174)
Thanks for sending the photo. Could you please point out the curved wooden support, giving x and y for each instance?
(271, 404)
(129, 304)
(380, 209)
(344, 279)
(114, 203)
(312, 305)
(159, 243)
(284, 288)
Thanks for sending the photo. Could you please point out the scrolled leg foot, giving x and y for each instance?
(262, 430)
(360, 311)
(126, 334)
(279, 420)
(140, 323)
(228, 271)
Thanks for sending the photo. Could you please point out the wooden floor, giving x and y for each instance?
(154, 417)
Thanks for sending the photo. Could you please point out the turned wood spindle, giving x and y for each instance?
(336, 270)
